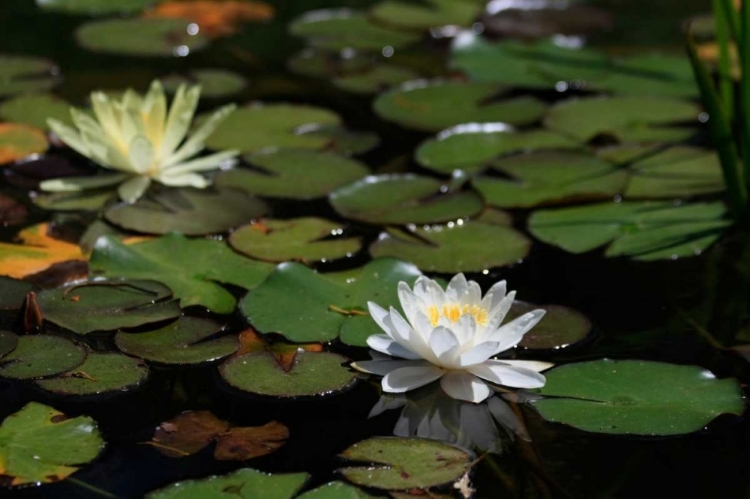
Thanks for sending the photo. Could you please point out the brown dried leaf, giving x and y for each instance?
(240, 444)
(188, 433)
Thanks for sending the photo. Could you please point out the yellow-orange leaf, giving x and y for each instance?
(36, 251)
(214, 19)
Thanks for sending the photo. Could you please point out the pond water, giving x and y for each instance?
(653, 271)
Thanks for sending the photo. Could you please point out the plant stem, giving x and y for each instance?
(724, 41)
(744, 112)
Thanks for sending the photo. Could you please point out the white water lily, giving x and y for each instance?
(452, 336)
(140, 139)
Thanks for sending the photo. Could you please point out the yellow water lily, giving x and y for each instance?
(139, 138)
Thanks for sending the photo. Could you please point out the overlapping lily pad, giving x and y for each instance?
(100, 373)
(19, 141)
(336, 490)
(562, 327)
(306, 239)
(88, 200)
(215, 82)
(640, 230)
(245, 483)
(651, 74)
(94, 7)
(375, 79)
(185, 342)
(35, 110)
(426, 15)
(39, 356)
(22, 74)
(432, 106)
(294, 174)
(404, 463)
(402, 199)
(39, 444)
(304, 306)
(13, 293)
(190, 267)
(637, 397)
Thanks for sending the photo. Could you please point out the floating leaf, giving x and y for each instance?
(140, 37)
(637, 397)
(88, 200)
(651, 74)
(293, 174)
(38, 356)
(22, 74)
(429, 14)
(35, 110)
(312, 375)
(402, 199)
(190, 267)
(242, 484)
(39, 444)
(214, 83)
(214, 19)
(100, 373)
(472, 246)
(336, 490)
(13, 293)
(375, 79)
(18, 141)
(405, 463)
(108, 305)
(37, 252)
(519, 22)
(243, 443)
(303, 239)
(551, 177)
(562, 327)
(8, 342)
(344, 141)
(187, 341)
(434, 106)
(640, 230)
(303, 305)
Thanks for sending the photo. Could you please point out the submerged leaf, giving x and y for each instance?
(242, 484)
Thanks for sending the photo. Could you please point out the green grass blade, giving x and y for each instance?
(730, 15)
(724, 41)
(744, 112)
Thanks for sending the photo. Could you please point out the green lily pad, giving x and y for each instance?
(321, 63)
(284, 125)
(336, 490)
(302, 239)
(338, 29)
(242, 484)
(35, 110)
(637, 397)
(636, 119)
(471, 246)
(13, 293)
(405, 463)
(640, 230)
(375, 79)
(22, 74)
(187, 341)
(8, 342)
(343, 141)
(100, 373)
(157, 37)
(93, 7)
(434, 106)
(39, 356)
(302, 305)
(402, 199)
(562, 327)
(677, 172)
(190, 267)
(88, 200)
(192, 212)
(472, 147)
(215, 83)
(426, 15)
(313, 374)
(551, 177)
(294, 174)
(108, 305)
(18, 141)
(651, 74)
(39, 444)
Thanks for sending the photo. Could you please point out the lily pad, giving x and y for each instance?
(472, 147)
(402, 199)
(108, 305)
(551, 177)
(185, 342)
(190, 267)
(245, 483)
(405, 463)
(338, 29)
(640, 230)
(636, 119)
(651, 74)
(100, 373)
(343, 141)
(284, 125)
(35, 110)
(88, 200)
(215, 83)
(39, 356)
(336, 490)
(312, 375)
(13, 293)
(192, 212)
(18, 141)
(302, 239)
(294, 174)
(93, 7)
(375, 79)
(140, 37)
(561, 328)
(432, 106)
(8, 342)
(305, 306)
(637, 397)
(36, 252)
(426, 15)
(39, 444)
(22, 74)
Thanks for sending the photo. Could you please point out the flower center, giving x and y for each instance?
(455, 312)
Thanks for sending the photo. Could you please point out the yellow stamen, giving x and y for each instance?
(454, 312)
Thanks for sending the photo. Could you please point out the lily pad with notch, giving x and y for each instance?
(101, 373)
(427, 14)
(39, 356)
(23, 74)
(35, 110)
(561, 328)
(13, 293)
(245, 483)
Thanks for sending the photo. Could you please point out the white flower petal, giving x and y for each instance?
(132, 190)
(184, 180)
(77, 184)
(534, 365)
(462, 385)
(383, 367)
(457, 287)
(465, 329)
(154, 113)
(141, 154)
(507, 375)
(496, 315)
(511, 334)
(207, 163)
(429, 292)
(379, 315)
(403, 332)
(478, 354)
(473, 294)
(194, 144)
(445, 346)
(408, 301)
(180, 117)
(386, 403)
(497, 291)
(408, 378)
(68, 135)
(384, 344)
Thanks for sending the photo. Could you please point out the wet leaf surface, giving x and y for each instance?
(38, 356)
(35, 109)
(36, 251)
(22, 74)
(561, 327)
(8, 342)
(19, 141)
(245, 483)
(101, 373)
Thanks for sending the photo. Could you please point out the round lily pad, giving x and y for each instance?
(94, 7)
(39, 444)
(39, 356)
(22, 74)
(35, 110)
(249, 482)
(312, 375)
(343, 141)
(100, 373)
(637, 119)
(637, 397)
(156, 37)
(187, 341)
(108, 305)
(303, 239)
(403, 199)
(432, 106)
(375, 79)
(188, 211)
(429, 14)
(336, 490)
(13, 293)
(293, 174)
(19, 141)
(562, 327)
(404, 463)
(651, 74)
(215, 83)
(8, 342)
